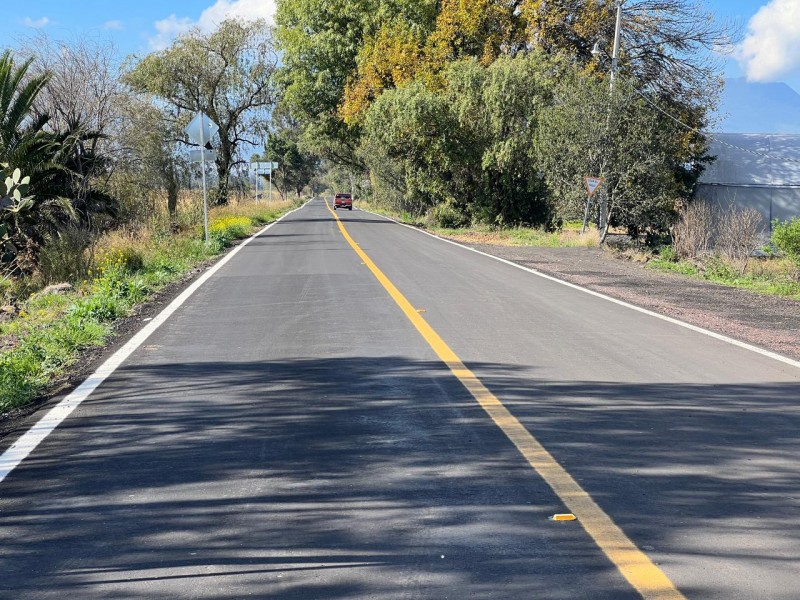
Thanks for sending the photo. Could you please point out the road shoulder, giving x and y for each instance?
(770, 322)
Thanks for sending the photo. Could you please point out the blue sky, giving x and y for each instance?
(770, 50)
(135, 26)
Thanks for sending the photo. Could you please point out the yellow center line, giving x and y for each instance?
(633, 564)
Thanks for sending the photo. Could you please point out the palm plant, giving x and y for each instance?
(27, 147)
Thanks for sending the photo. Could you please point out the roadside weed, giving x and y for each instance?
(50, 330)
(769, 275)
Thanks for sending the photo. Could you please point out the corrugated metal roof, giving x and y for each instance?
(754, 159)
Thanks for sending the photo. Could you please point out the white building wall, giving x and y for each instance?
(760, 171)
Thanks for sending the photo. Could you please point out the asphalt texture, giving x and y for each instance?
(288, 434)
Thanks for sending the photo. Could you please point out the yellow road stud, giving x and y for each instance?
(564, 517)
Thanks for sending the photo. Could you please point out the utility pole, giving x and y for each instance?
(615, 51)
(614, 60)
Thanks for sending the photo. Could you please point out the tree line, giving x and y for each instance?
(494, 111)
(480, 111)
(91, 141)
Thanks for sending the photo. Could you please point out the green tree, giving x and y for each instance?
(786, 237)
(412, 146)
(449, 106)
(320, 42)
(228, 74)
(148, 161)
(622, 138)
(296, 167)
(500, 105)
(466, 146)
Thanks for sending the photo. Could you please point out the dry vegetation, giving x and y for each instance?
(720, 245)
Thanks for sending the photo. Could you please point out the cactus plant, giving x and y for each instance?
(12, 204)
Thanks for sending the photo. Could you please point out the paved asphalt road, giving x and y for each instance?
(289, 434)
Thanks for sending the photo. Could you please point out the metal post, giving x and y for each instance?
(256, 174)
(586, 214)
(266, 147)
(203, 171)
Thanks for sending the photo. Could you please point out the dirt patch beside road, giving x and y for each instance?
(770, 322)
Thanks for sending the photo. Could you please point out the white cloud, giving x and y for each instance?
(117, 25)
(168, 29)
(248, 10)
(36, 24)
(771, 49)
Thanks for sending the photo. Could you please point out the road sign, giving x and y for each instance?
(592, 183)
(201, 155)
(201, 129)
(264, 168)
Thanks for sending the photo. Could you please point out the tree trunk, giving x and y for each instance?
(171, 180)
(223, 162)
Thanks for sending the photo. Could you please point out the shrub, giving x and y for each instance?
(126, 258)
(693, 231)
(449, 217)
(101, 307)
(717, 267)
(67, 257)
(786, 237)
(731, 233)
(113, 292)
(667, 253)
(6, 290)
(738, 233)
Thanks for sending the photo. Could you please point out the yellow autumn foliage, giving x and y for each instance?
(389, 59)
(398, 54)
(570, 26)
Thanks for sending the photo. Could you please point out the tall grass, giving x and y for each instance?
(119, 270)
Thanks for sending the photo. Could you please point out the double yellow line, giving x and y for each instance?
(633, 564)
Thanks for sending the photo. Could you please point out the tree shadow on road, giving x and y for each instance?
(353, 477)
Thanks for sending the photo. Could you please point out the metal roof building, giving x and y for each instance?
(754, 170)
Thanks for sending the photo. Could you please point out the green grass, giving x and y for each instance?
(682, 267)
(51, 330)
(770, 276)
(568, 237)
(520, 236)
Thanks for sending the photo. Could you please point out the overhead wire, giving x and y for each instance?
(707, 133)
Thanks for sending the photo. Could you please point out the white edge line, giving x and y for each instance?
(709, 333)
(21, 449)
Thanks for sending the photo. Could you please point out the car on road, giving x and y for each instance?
(343, 201)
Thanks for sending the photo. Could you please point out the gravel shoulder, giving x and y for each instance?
(769, 322)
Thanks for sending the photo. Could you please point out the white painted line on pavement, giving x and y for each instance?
(696, 328)
(22, 448)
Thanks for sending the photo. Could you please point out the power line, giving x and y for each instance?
(709, 133)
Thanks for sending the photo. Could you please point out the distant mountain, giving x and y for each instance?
(758, 108)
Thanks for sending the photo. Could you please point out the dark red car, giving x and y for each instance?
(343, 201)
